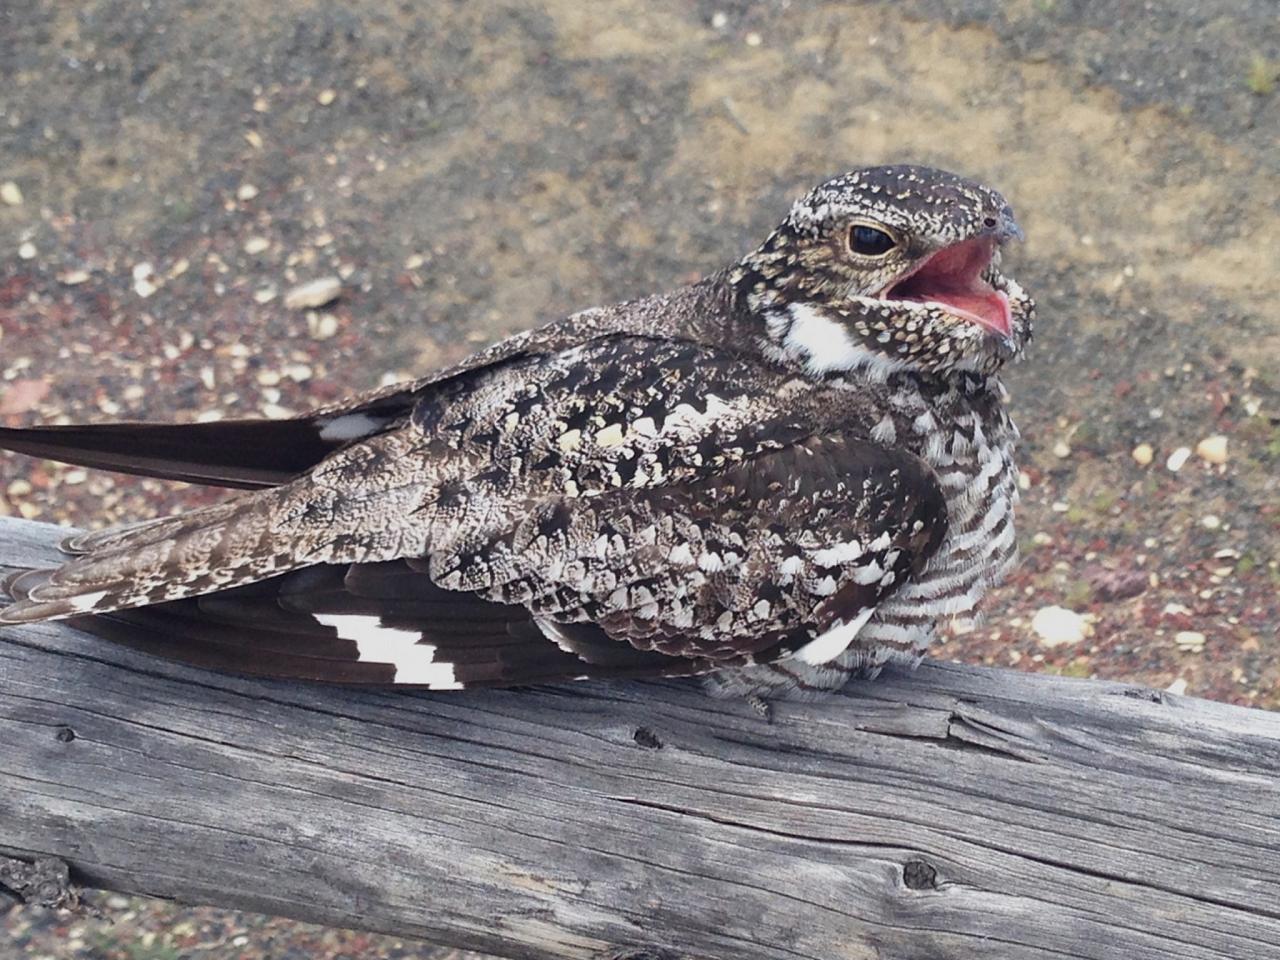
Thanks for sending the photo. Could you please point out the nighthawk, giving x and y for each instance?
(776, 476)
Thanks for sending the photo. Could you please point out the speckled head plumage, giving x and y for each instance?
(890, 268)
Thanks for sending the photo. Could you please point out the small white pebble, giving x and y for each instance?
(1143, 454)
(316, 293)
(1191, 641)
(1212, 449)
(1178, 459)
(247, 191)
(1041, 539)
(719, 20)
(257, 245)
(326, 97)
(1058, 626)
(10, 194)
(71, 278)
(1178, 688)
(1211, 521)
(264, 295)
(1061, 450)
(1059, 507)
(27, 251)
(322, 326)
(754, 39)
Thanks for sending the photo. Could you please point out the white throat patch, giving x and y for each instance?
(825, 345)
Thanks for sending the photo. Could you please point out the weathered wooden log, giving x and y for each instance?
(953, 812)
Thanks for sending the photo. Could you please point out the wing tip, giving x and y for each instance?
(33, 611)
(24, 588)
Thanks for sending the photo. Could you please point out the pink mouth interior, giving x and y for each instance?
(953, 278)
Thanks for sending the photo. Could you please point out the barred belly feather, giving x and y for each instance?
(961, 430)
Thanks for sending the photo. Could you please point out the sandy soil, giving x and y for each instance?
(468, 169)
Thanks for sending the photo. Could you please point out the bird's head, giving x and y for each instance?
(890, 268)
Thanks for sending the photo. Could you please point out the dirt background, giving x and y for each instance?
(169, 171)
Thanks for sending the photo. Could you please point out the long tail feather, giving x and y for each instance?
(225, 453)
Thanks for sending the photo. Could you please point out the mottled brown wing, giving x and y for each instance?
(748, 566)
(476, 455)
(750, 563)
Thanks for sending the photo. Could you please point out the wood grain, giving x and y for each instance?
(953, 812)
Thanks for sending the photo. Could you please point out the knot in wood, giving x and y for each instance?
(919, 875)
(642, 953)
(647, 738)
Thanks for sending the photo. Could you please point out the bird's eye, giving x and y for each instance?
(869, 241)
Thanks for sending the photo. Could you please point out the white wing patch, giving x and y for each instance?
(414, 662)
(835, 641)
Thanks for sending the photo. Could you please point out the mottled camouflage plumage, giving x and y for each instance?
(783, 473)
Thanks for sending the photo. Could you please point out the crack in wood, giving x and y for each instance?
(727, 821)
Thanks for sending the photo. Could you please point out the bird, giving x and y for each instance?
(777, 477)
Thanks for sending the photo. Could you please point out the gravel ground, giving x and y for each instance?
(169, 174)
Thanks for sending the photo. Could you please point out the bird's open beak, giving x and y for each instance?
(953, 280)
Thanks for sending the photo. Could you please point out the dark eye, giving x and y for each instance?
(870, 242)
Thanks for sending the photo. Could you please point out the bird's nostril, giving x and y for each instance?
(990, 222)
